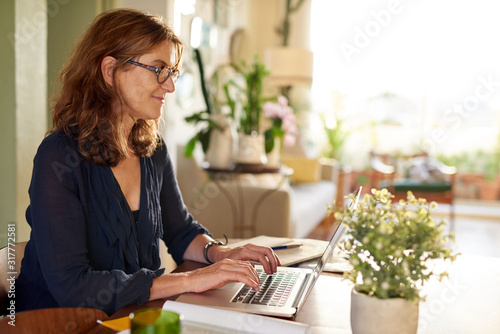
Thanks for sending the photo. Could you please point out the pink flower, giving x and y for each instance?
(285, 113)
(289, 140)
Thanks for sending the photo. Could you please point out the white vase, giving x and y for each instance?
(251, 149)
(273, 157)
(370, 315)
(220, 148)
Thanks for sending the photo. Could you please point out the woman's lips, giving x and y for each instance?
(159, 99)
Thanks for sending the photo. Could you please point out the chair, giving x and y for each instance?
(16, 254)
(53, 320)
(419, 173)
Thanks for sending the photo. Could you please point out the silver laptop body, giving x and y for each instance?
(227, 297)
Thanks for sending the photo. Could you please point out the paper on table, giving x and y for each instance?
(119, 324)
(338, 263)
(310, 248)
(202, 319)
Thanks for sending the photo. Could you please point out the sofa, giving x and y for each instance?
(273, 204)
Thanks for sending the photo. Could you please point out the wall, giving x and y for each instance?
(31, 97)
(7, 120)
(66, 22)
(24, 32)
(36, 37)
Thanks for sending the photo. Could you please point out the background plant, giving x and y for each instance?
(250, 95)
(336, 129)
(203, 118)
(283, 123)
(391, 247)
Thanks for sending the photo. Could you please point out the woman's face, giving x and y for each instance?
(142, 96)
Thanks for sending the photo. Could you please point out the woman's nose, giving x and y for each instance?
(168, 86)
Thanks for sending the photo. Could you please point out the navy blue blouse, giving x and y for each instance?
(85, 247)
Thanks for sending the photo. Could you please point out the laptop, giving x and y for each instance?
(281, 294)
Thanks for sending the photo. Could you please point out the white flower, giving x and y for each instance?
(385, 286)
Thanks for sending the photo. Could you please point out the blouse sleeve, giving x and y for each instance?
(179, 227)
(60, 235)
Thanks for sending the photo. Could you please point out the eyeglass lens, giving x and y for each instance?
(166, 73)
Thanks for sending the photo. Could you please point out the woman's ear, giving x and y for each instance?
(107, 69)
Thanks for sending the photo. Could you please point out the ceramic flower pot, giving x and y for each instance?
(251, 149)
(370, 315)
(220, 148)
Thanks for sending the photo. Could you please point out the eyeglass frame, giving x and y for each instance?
(174, 74)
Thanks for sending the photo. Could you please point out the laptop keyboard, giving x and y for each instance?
(274, 289)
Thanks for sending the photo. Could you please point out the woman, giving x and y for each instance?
(103, 190)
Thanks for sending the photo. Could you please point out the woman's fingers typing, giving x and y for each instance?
(264, 255)
(222, 273)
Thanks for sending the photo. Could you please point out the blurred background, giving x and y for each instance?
(395, 77)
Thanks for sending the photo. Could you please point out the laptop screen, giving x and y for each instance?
(337, 235)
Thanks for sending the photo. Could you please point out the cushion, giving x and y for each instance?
(405, 185)
(305, 170)
(422, 169)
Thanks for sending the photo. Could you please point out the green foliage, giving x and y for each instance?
(203, 135)
(252, 99)
(202, 118)
(275, 131)
(391, 246)
(336, 137)
(204, 86)
(480, 162)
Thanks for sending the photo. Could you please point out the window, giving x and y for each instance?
(427, 71)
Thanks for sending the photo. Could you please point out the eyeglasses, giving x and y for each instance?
(162, 73)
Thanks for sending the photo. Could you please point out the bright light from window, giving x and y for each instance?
(196, 32)
(435, 53)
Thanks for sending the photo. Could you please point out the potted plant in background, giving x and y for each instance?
(250, 140)
(392, 249)
(489, 184)
(215, 133)
(283, 130)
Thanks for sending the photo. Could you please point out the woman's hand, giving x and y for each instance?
(221, 273)
(232, 265)
(203, 279)
(264, 255)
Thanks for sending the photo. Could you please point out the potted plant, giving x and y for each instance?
(489, 184)
(250, 140)
(283, 129)
(392, 249)
(215, 133)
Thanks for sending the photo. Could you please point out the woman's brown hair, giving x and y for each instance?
(83, 108)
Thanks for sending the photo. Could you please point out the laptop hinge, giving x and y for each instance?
(302, 290)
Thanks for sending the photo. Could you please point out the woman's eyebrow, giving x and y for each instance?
(162, 62)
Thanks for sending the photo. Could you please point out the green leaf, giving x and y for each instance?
(190, 146)
(269, 140)
(204, 138)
